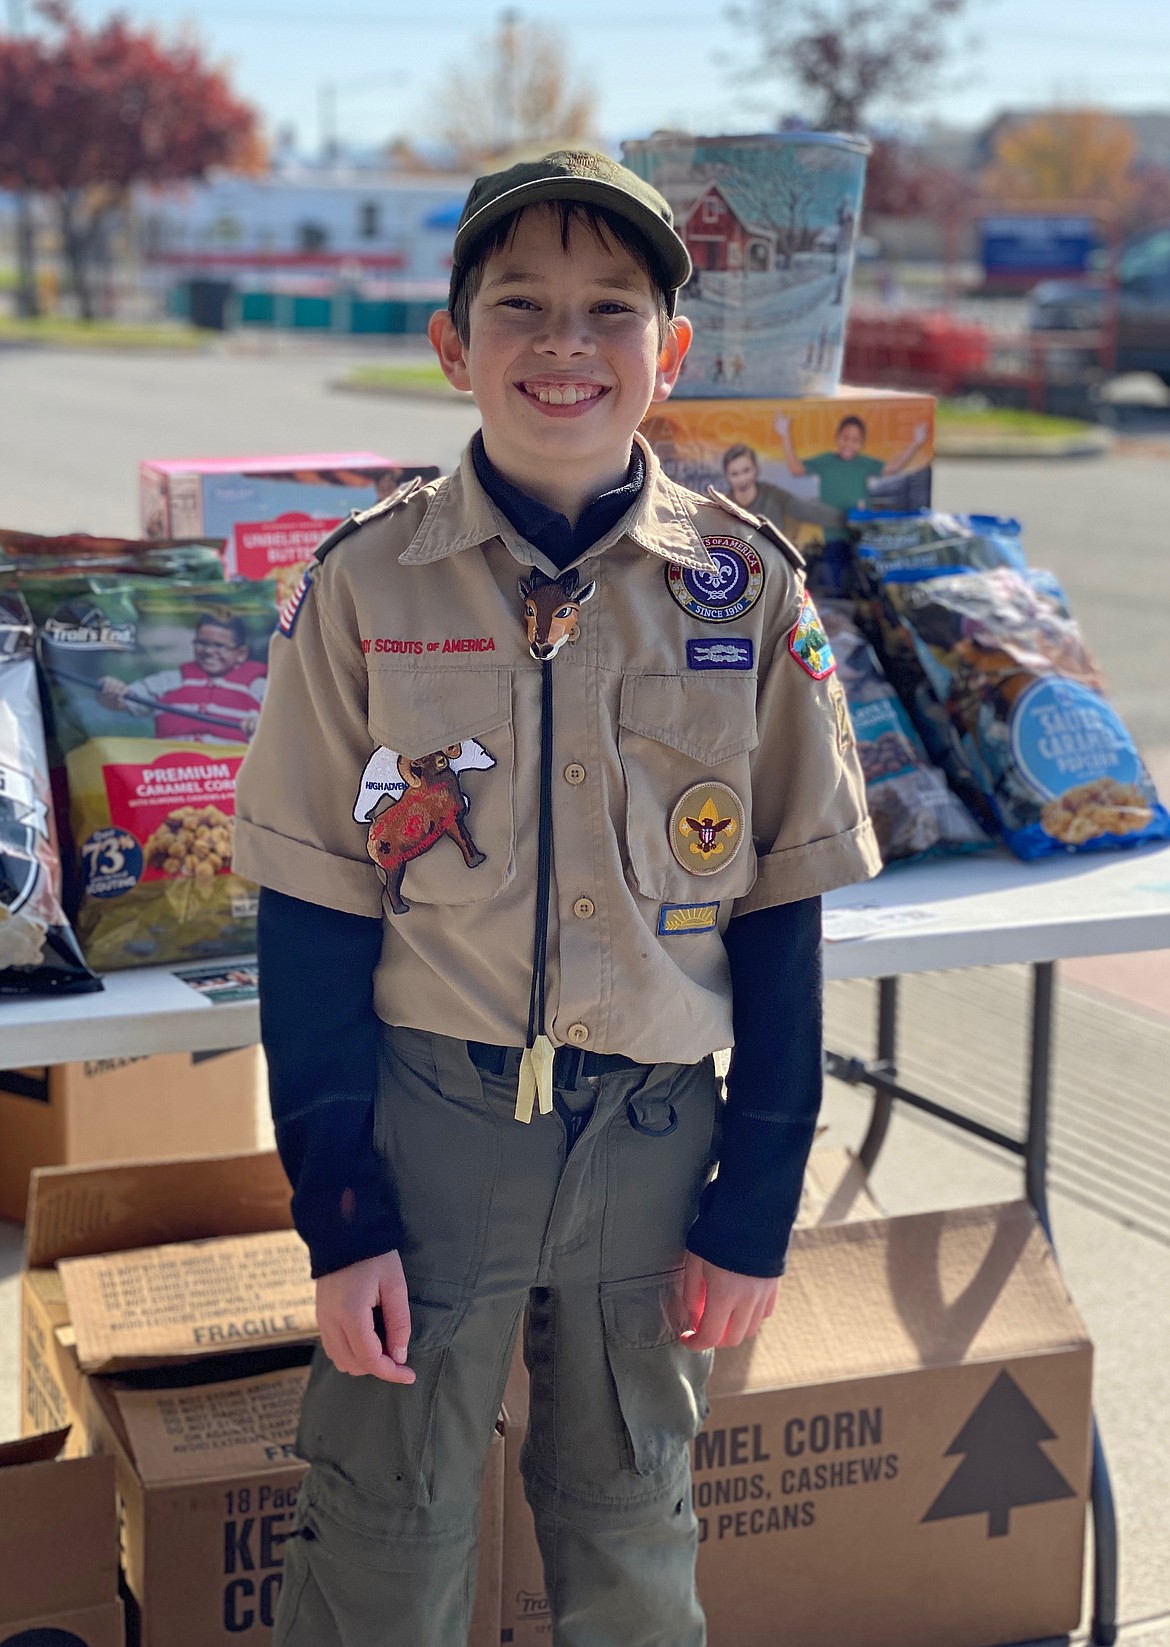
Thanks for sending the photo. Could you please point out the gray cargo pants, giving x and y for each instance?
(588, 1236)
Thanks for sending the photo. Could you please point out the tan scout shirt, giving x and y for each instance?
(411, 642)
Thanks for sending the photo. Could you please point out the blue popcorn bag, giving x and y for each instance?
(1026, 712)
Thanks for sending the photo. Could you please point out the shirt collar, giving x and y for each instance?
(463, 516)
(546, 528)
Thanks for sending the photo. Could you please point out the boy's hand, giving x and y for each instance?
(724, 1308)
(346, 1301)
(112, 692)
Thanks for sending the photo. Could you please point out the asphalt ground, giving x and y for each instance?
(72, 429)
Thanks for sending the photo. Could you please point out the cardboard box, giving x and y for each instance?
(900, 1459)
(107, 1210)
(736, 446)
(122, 1109)
(58, 1546)
(175, 1331)
(273, 511)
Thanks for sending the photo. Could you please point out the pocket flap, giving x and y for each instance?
(710, 720)
(419, 711)
(644, 1313)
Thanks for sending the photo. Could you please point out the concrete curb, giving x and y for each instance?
(1093, 443)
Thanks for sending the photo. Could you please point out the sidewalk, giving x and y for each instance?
(964, 1040)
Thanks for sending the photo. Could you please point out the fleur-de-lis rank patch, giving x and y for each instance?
(707, 828)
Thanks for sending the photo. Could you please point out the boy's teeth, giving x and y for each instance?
(566, 396)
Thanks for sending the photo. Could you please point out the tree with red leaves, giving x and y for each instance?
(87, 114)
(900, 181)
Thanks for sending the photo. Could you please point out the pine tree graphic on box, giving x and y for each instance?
(1003, 1466)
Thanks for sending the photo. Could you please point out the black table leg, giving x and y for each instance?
(1105, 1557)
(887, 1063)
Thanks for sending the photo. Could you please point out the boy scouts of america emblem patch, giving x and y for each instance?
(809, 644)
(731, 588)
(706, 828)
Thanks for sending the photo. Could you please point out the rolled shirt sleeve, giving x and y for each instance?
(295, 830)
(810, 822)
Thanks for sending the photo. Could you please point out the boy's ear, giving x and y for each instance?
(679, 333)
(448, 345)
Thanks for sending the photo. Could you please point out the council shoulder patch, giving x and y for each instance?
(706, 828)
(724, 592)
(809, 644)
(290, 611)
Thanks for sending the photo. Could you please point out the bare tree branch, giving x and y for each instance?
(848, 55)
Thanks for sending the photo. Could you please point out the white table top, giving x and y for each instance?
(987, 909)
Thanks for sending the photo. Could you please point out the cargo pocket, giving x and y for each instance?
(659, 1383)
(676, 732)
(373, 1442)
(440, 783)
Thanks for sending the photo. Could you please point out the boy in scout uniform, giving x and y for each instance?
(552, 772)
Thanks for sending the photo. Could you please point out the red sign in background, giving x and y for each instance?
(267, 546)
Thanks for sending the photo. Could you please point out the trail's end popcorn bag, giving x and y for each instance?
(1024, 700)
(38, 952)
(156, 687)
(914, 813)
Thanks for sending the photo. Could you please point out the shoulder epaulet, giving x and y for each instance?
(358, 518)
(760, 523)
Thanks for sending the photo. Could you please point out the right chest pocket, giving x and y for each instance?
(676, 733)
(437, 794)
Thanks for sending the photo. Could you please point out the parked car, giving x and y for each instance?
(1143, 304)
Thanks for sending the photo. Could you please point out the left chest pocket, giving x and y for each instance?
(687, 740)
(438, 789)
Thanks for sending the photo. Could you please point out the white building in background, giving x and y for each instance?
(379, 232)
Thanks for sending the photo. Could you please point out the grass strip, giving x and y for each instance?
(99, 334)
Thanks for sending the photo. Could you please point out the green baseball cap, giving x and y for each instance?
(574, 174)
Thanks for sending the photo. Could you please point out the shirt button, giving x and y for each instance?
(574, 773)
(583, 908)
(578, 1034)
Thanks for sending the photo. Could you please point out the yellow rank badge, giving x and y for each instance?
(706, 828)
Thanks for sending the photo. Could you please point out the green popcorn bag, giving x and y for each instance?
(156, 687)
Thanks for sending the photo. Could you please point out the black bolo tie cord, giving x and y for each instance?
(536, 999)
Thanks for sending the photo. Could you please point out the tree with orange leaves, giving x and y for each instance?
(1067, 154)
(87, 114)
(514, 92)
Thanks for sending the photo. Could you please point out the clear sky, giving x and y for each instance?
(651, 62)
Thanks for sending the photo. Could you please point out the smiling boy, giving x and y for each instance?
(586, 851)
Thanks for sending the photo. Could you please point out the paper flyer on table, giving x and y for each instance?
(848, 921)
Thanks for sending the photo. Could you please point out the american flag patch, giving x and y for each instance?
(286, 619)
